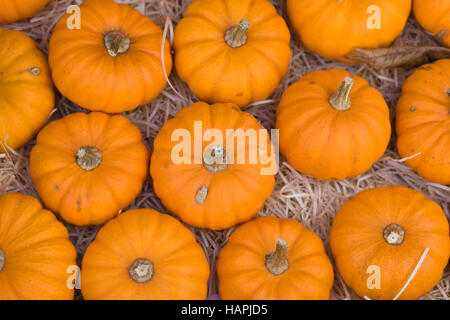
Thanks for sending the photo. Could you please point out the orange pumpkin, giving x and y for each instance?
(233, 51)
(333, 125)
(14, 10)
(334, 28)
(434, 16)
(213, 183)
(144, 255)
(35, 251)
(270, 259)
(423, 121)
(113, 62)
(26, 89)
(89, 167)
(379, 236)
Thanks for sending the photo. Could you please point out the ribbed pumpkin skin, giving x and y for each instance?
(327, 144)
(241, 266)
(333, 29)
(357, 242)
(423, 121)
(37, 250)
(26, 99)
(89, 197)
(181, 270)
(234, 195)
(14, 10)
(87, 74)
(216, 72)
(434, 16)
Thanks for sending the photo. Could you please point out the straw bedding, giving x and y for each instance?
(312, 202)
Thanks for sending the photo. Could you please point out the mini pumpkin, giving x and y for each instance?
(333, 125)
(213, 182)
(434, 16)
(26, 89)
(144, 255)
(14, 10)
(333, 29)
(88, 167)
(270, 259)
(378, 237)
(35, 251)
(233, 51)
(113, 62)
(423, 121)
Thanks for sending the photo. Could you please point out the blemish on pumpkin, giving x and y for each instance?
(235, 107)
(412, 109)
(428, 68)
(79, 204)
(201, 195)
(56, 187)
(240, 94)
(35, 71)
(2, 260)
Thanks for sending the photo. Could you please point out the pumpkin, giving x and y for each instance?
(423, 121)
(434, 16)
(274, 259)
(35, 251)
(144, 255)
(113, 62)
(89, 167)
(26, 90)
(14, 10)
(333, 29)
(378, 237)
(215, 184)
(333, 125)
(233, 51)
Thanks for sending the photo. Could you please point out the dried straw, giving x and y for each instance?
(312, 202)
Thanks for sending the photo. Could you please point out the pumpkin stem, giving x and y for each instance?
(340, 101)
(277, 262)
(215, 159)
(141, 270)
(236, 36)
(201, 195)
(394, 234)
(2, 260)
(89, 158)
(116, 43)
